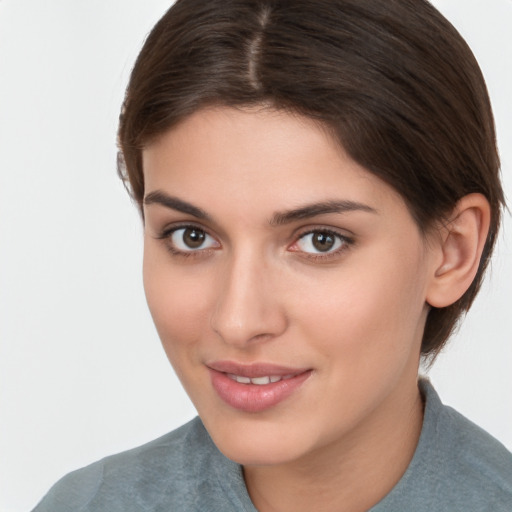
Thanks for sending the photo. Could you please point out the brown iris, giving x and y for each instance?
(323, 242)
(193, 238)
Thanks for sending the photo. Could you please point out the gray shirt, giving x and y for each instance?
(456, 467)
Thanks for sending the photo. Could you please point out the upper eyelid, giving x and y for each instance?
(347, 242)
(171, 228)
(166, 235)
(342, 233)
(344, 238)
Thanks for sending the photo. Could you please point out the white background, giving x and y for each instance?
(82, 373)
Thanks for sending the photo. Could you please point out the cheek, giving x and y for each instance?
(366, 310)
(364, 326)
(178, 303)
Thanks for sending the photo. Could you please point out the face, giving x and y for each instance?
(286, 282)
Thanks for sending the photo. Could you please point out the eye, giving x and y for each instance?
(320, 242)
(190, 239)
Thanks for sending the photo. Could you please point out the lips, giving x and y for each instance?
(255, 387)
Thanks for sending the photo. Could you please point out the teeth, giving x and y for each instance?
(259, 381)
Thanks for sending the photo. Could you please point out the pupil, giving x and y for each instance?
(193, 238)
(323, 241)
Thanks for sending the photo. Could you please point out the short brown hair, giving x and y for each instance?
(393, 80)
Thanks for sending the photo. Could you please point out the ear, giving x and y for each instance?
(461, 242)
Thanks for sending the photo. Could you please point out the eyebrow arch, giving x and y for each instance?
(161, 198)
(312, 210)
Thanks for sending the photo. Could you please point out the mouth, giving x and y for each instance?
(259, 381)
(256, 387)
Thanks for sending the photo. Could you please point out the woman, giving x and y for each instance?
(319, 187)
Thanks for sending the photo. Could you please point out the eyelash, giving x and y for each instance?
(166, 236)
(346, 243)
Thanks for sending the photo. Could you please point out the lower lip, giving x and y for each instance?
(253, 397)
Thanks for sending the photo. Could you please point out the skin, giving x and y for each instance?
(256, 291)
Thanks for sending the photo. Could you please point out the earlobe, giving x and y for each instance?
(461, 244)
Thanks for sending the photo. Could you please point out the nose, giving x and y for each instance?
(247, 308)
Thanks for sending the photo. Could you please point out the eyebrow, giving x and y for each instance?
(314, 209)
(161, 198)
(278, 219)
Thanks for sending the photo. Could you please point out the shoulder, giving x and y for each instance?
(456, 466)
(478, 462)
(171, 466)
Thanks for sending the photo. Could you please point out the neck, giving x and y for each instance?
(351, 474)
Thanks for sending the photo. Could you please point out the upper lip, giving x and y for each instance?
(254, 370)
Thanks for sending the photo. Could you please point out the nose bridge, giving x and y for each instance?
(247, 308)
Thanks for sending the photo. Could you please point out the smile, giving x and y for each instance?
(258, 381)
(257, 387)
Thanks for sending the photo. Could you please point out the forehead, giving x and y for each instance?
(257, 157)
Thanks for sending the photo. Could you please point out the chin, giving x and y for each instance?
(246, 452)
(258, 442)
